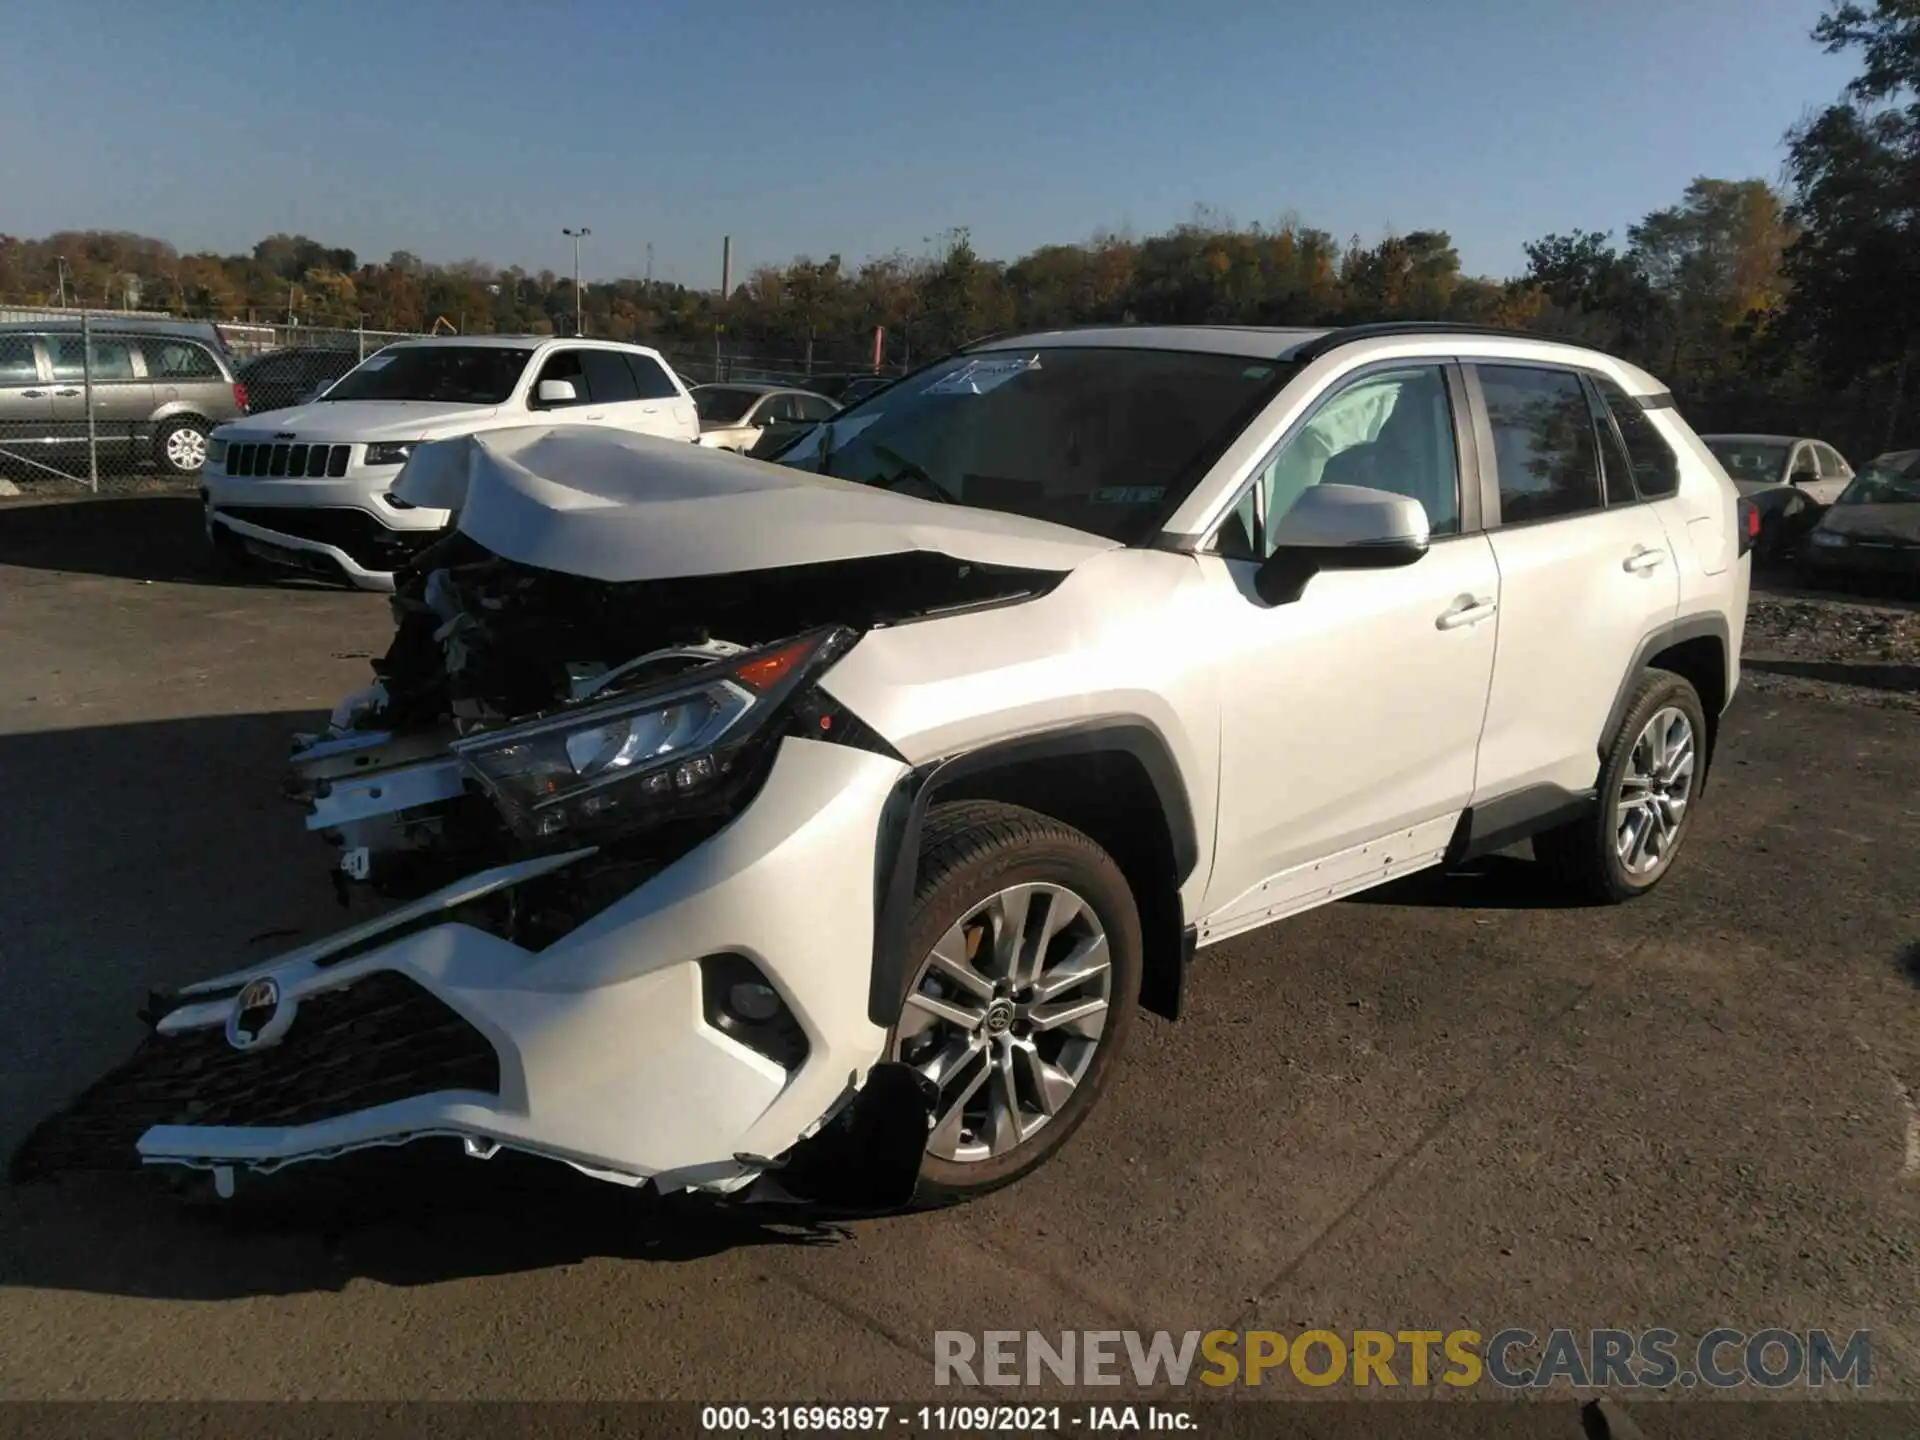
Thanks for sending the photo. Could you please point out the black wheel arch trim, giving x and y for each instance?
(897, 853)
(1705, 626)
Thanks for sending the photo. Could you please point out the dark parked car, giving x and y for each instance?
(282, 378)
(1872, 532)
(158, 388)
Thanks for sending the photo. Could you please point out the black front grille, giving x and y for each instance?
(381, 1039)
(309, 461)
(363, 537)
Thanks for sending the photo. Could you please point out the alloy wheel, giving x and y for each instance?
(1654, 792)
(1005, 1017)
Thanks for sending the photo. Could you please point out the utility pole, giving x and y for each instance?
(720, 310)
(60, 265)
(649, 262)
(579, 309)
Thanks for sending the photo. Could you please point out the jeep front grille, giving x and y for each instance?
(310, 461)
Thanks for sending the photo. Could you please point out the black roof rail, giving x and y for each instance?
(1388, 329)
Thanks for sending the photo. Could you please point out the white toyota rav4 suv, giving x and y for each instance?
(815, 830)
(311, 488)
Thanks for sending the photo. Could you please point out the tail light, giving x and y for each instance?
(1749, 523)
(240, 396)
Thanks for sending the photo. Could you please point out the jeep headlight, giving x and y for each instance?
(1826, 539)
(614, 762)
(391, 452)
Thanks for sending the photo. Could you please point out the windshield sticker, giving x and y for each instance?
(1129, 494)
(1256, 372)
(977, 377)
(376, 362)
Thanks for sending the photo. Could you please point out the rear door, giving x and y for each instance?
(1585, 576)
(1834, 475)
(26, 399)
(670, 408)
(122, 397)
(783, 419)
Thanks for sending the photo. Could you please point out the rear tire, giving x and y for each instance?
(180, 446)
(1007, 1005)
(1646, 797)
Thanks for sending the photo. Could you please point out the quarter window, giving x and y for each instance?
(1832, 467)
(178, 360)
(1390, 430)
(1543, 442)
(1656, 474)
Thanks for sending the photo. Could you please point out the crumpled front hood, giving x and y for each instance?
(346, 420)
(617, 507)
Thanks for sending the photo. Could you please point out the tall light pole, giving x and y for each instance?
(579, 310)
(60, 268)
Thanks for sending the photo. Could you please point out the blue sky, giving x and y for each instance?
(477, 128)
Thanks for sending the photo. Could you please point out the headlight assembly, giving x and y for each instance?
(391, 452)
(618, 761)
(216, 452)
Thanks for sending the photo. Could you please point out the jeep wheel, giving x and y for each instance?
(1027, 977)
(181, 446)
(1646, 793)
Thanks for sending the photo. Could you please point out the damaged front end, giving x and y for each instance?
(618, 847)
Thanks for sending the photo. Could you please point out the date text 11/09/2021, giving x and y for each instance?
(939, 1419)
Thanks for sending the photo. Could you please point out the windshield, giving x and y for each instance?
(1749, 459)
(455, 374)
(1104, 440)
(1878, 485)
(718, 405)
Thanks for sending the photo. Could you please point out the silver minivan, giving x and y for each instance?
(159, 387)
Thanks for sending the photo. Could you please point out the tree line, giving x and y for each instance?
(1795, 311)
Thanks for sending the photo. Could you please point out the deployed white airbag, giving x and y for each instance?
(614, 506)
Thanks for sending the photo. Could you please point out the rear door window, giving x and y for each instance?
(653, 382)
(608, 377)
(112, 358)
(1545, 452)
(1832, 467)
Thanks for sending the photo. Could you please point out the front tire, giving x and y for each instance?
(1646, 797)
(1026, 956)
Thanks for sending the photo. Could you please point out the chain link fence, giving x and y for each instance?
(120, 400)
(123, 400)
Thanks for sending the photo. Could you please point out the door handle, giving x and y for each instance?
(66, 392)
(595, 415)
(1641, 561)
(649, 409)
(1467, 610)
(33, 394)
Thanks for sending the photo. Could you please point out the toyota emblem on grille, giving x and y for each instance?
(254, 1010)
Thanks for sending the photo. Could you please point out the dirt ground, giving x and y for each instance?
(1452, 1102)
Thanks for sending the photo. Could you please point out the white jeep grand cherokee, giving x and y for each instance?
(311, 487)
(815, 830)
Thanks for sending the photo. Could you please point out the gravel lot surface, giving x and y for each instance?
(1452, 1102)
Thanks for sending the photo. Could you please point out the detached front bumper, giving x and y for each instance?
(597, 1050)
